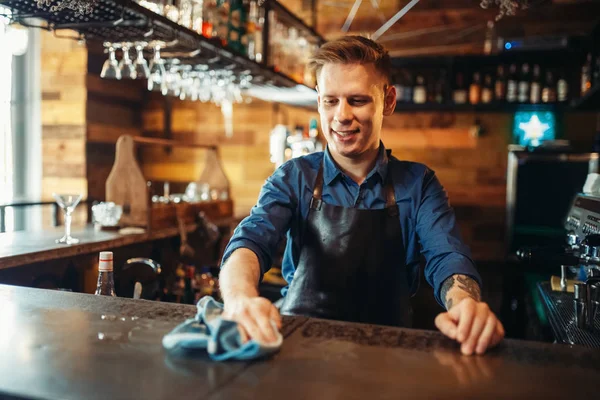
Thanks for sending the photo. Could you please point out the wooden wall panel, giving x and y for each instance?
(63, 65)
(245, 156)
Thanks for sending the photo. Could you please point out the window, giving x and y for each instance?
(20, 126)
(6, 148)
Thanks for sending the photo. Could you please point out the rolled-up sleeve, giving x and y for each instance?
(442, 246)
(269, 219)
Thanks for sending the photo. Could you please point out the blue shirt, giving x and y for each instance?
(427, 220)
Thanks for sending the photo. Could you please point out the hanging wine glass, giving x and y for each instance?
(110, 69)
(141, 65)
(156, 77)
(172, 78)
(205, 83)
(186, 82)
(126, 65)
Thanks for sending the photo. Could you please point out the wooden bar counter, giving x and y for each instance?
(60, 345)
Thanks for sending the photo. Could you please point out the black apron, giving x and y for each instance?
(351, 264)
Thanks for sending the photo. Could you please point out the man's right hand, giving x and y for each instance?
(254, 316)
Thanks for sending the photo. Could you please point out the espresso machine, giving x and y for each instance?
(573, 300)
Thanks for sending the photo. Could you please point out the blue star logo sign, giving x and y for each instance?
(532, 128)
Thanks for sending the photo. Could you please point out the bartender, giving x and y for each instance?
(357, 220)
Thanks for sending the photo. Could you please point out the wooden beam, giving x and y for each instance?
(419, 18)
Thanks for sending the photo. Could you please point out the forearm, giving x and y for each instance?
(457, 287)
(240, 275)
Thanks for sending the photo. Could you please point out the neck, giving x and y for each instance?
(357, 168)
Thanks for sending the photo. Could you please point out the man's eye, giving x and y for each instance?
(358, 101)
(329, 102)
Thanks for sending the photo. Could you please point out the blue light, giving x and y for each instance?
(507, 45)
(533, 128)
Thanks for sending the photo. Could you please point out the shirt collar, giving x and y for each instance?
(332, 171)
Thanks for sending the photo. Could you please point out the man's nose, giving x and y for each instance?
(343, 112)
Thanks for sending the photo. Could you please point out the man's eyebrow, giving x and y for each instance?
(354, 95)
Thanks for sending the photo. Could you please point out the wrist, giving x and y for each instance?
(457, 288)
(240, 295)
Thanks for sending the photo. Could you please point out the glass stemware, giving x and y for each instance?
(172, 78)
(141, 65)
(126, 65)
(110, 69)
(156, 78)
(186, 83)
(67, 202)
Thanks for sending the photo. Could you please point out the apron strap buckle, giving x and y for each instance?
(315, 204)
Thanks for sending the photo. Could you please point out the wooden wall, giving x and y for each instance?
(64, 96)
(244, 156)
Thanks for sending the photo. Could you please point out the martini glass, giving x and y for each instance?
(67, 202)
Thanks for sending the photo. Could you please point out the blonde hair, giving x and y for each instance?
(350, 50)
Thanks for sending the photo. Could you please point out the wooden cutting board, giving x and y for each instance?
(126, 185)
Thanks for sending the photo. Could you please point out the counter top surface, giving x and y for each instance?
(58, 345)
(24, 247)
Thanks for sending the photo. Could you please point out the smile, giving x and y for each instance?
(345, 133)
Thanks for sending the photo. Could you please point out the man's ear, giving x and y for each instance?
(389, 100)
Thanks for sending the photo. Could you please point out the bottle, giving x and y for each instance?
(440, 85)
(511, 86)
(490, 34)
(197, 16)
(221, 23)
(596, 73)
(172, 11)
(536, 89)
(313, 132)
(185, 13)
(208, 19)
(524, 84)
(207, 283)
(258, 36)
(251, 30)
(500, 86)
(420, 92)
(586, 75)
(106, 284)
(549, 90)
(237, 23)
(475, 89)
(188, 291)
(487, 93)
(399, 85)
(408, 88)
(562, 89)
(430, 90)
(459, 96)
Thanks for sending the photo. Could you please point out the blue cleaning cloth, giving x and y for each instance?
(220, 337)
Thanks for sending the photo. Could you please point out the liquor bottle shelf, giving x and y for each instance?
(489, 108)
(126, 21)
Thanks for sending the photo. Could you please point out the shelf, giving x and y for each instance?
(127, 21)
(590, 101)
(491, 108)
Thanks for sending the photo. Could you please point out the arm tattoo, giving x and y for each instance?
(463, 283)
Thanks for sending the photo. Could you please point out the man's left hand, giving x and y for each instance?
(472, 324)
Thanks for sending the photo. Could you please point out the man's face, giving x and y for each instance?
(353, 99)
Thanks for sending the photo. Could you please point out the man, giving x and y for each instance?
(355, 218)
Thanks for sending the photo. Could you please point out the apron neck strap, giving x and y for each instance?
(390, 196)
